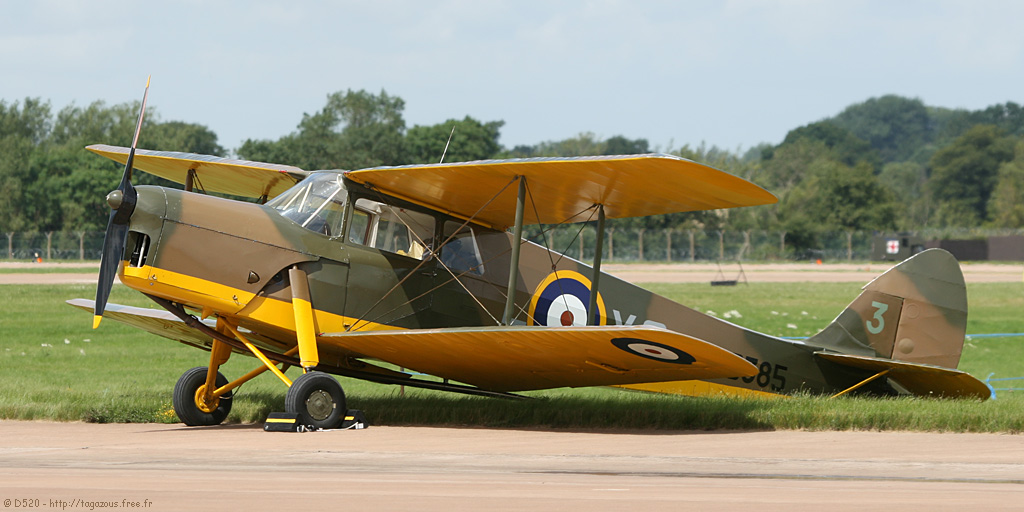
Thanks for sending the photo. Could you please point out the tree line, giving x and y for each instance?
(888, 164)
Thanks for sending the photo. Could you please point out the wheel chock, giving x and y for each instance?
(354, 419)
(289, 422)
(283, 422)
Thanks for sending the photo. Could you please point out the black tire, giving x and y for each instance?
(184, 399)
(318, 400)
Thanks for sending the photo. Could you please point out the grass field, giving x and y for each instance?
(48, 270)
(55, 367)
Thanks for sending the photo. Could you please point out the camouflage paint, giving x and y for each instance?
(231, 258)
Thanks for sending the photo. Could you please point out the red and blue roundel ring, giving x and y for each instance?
(653, 350)
(562, 298)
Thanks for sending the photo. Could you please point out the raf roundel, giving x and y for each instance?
(561, 299)
(653, 350)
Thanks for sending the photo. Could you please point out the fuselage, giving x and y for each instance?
(375, 262)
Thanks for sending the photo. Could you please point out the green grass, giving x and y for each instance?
(83, 269)
(54, 366)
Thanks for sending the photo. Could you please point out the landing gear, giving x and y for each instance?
(318, 400)
(190, 402)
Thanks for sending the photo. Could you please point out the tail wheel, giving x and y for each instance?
(318, 400)
(189, 399)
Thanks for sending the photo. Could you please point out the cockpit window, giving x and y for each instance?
(359, 226)
(392, 229)
(317, 203)
(460, 251)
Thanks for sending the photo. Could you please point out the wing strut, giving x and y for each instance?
(190, 179)
(592, 312)
(517, 243)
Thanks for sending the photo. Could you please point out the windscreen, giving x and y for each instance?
(317, 203)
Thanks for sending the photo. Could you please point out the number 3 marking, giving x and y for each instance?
(880, 309)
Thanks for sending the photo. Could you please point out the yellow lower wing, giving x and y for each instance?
(163, 323)
(701, 388)
(156, 321)
(522, 358)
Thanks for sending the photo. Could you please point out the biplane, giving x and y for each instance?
(397, 274)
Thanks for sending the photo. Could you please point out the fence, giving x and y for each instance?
(655, 245)
(666, 245)
(55, 245)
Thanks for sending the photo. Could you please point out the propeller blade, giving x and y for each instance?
(122, 203)
(113, 248)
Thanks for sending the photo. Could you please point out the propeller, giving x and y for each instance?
(122, 204)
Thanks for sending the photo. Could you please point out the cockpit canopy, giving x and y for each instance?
(317, 203)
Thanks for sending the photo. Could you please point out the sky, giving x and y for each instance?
(731, 74)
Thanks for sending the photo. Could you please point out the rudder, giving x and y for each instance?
(914, 312)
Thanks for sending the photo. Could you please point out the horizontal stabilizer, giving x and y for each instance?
(212, 173)
(919, 379)
(520, 358)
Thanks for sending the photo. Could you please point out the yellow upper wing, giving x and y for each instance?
(563, 189)
(560, 189)
(214, 174)
(521, 358)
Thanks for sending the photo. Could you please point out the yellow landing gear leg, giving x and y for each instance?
(206, 398)
(267, 363)
(199, 397)
(305, 328)
(315, 396)
(253, 374)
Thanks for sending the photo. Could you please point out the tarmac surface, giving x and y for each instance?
(75, 466)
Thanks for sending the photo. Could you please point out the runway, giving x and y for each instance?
(171, 467)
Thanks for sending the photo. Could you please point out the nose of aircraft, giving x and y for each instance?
(114, 199)
(122, 203)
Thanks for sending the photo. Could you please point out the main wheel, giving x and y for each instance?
(318, 400)
(189, 403)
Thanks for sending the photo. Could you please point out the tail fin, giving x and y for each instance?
(914, 312)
